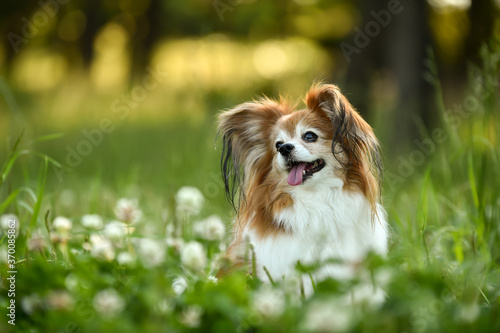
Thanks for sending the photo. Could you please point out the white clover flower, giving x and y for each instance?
(191, 317)
(189, 200)
(37, 241)
(7, 221)
(211, 228)
(101, 248)
(115, 231)
(60, 300)
(176, 243)
(193, 256)
(92, 221)
(269, 302)
(62, 224)
(179, 285)
(215, 228)
(87, 246)
(328, 316)
(127, 210)
(199, 229)
(125, 259)
(151, 252)
(108, 302)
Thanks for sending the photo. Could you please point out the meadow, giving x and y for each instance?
(129, 239)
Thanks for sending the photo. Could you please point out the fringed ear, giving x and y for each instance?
(354, 144)
(245, 132)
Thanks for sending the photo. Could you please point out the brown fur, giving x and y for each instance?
(248, 132)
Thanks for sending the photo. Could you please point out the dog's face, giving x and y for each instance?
(303, 148)
(271, 150)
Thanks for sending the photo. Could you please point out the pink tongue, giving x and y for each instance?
(295, 176)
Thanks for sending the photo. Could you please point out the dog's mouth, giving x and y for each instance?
(299, 172)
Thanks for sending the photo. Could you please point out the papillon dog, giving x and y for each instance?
(305, 185)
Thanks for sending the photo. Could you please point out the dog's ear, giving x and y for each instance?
(354, 144)
(246, 131)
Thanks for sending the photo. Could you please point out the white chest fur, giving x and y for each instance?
(323, 223)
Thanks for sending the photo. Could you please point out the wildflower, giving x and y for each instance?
(125, 259)
(179, 285)
(127, 210)
(211, 228)
(191, 317)
(115, 231)
(60, 300)
(37, 242)
(92, 221)
(108, 302)
(193, 256)
(9, 220)
(101, 248)
(189, 200)
(152, 252)
(269, 302)
(62, 224)
(328, 316)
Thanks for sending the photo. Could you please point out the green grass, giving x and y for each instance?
(442, 273)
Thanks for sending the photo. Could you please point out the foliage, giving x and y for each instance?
(140, 266)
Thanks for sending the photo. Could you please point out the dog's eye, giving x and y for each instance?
(278, 144)
(310, 137)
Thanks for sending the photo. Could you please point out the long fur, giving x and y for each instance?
(329, 215)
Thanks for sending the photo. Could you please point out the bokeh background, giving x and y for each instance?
(105, 100)
(157, 72)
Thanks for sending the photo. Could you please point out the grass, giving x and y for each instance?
(442, 273)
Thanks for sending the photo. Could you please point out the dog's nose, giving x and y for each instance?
(286, 149)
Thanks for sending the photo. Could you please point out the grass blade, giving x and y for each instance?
(472, 182)
(10, 162)
(47, 137)
(41, 188)
(8, 201)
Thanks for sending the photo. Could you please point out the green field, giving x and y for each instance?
(150, 273)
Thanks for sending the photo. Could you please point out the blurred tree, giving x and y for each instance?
(399, 48)
(482, 15)
(96, 18)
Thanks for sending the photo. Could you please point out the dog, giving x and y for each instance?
(305, 185)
